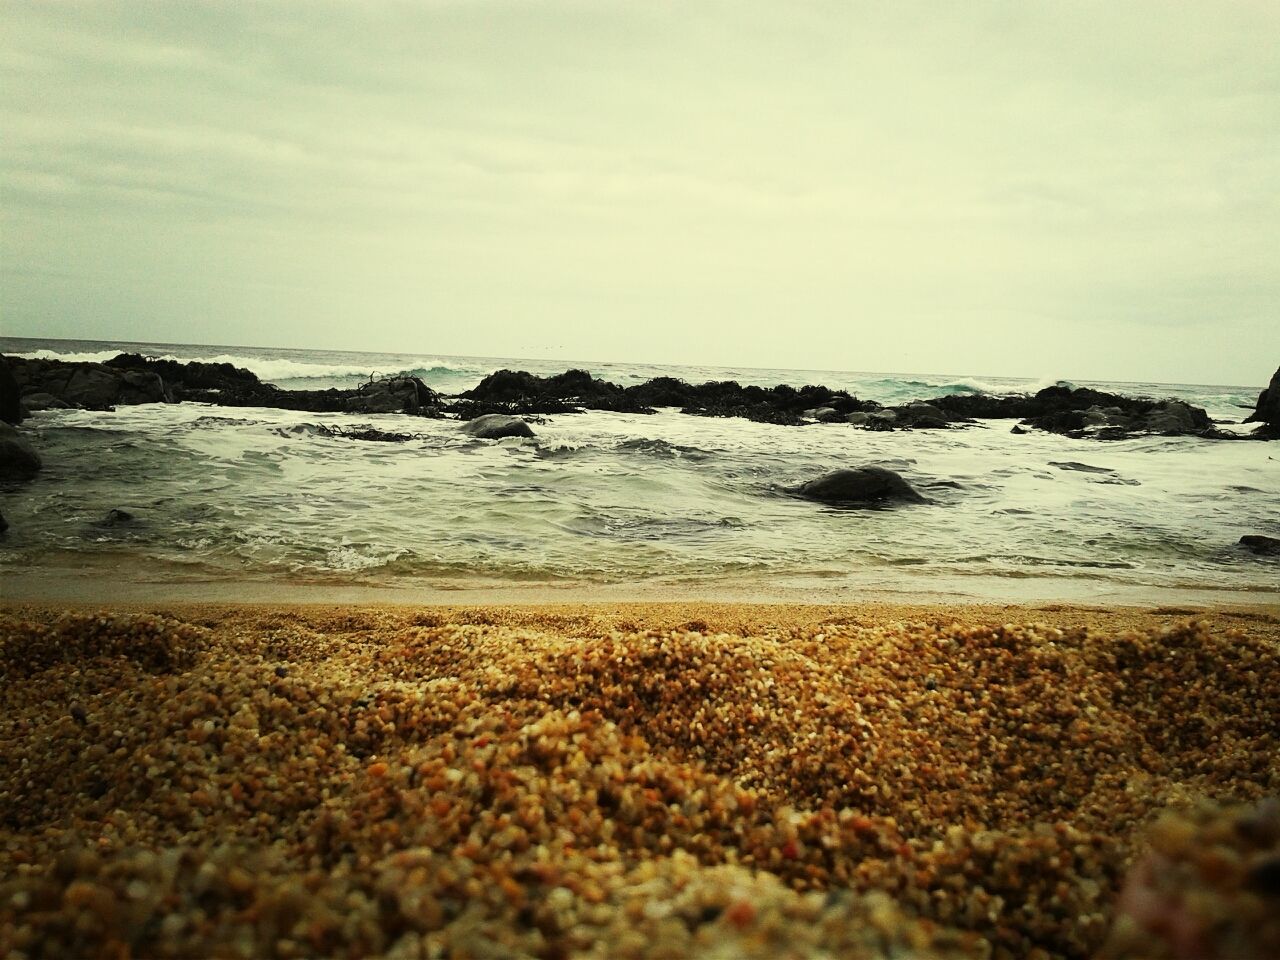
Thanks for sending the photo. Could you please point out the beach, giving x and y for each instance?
(638, 780)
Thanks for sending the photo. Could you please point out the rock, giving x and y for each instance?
(43, 401)
(928, 423)
(4, 524)
(857, 419)
(395, 395)
(866, 485)
(495, 426)
(820, 413)
(918, 413)
(92, 387)
(18, 459)
(1019, 430)
(1079, 467)
(1176, 417)
(10, 395)
(142, 386)
(1267, 411)
(115, 518)
(188, 375)
(1260, 545)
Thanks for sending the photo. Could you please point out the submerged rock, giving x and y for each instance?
(18, 458)
(115, 518)
(495, 426)
(1260, 545)
(865, 485)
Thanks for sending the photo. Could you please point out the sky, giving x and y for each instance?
(1078, 189)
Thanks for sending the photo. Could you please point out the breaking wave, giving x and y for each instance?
(272, 369)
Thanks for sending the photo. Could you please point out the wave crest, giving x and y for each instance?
(272, 369)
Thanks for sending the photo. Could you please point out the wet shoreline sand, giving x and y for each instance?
(685, 779)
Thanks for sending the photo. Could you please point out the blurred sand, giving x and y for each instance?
(647, 780)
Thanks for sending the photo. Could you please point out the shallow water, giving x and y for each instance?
(603, 498)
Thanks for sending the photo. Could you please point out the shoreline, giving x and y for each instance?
(93, 584)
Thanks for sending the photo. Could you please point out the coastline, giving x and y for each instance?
(100, 583)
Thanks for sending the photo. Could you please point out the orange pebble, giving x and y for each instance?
(741, 914)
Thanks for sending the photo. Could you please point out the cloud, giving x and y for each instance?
(763, 182)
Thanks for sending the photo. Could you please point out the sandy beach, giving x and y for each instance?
(638, 780)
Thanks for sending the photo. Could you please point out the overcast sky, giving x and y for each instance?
(1069, 188)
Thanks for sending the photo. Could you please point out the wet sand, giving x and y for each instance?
(647, 780)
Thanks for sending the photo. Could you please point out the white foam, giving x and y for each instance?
(272, 369)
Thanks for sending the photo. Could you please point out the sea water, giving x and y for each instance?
(663, 501)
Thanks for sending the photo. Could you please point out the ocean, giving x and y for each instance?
(627, 504)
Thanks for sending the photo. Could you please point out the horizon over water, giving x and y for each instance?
(618, 503)
(57, 348)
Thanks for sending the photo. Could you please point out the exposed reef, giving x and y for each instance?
(1076, 412)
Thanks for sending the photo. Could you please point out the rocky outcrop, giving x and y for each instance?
(184, 376)
(131, 378)
(495, 426)
(18, 458)
(1267, 411)
(10, 395)
(1077, 412)
(521, 392)
(865, 486)
(1082, 411)
(90, 386)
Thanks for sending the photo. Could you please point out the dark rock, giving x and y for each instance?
(4, 524)
(1060, 421)
(495, 426)
(1079, 467)
(1267, 410)
(18, 459)
(918, 415)
(866, 485)
(396, 395)
(188, 375)
(116, 518)
(1072, 410)
(1176, 417)
(1262, 546)
(1019, 430)
(93, 386)
(43, 401)
(10, 394)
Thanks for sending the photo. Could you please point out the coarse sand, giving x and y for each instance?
(656, 780)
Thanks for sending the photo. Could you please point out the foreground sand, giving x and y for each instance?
(656, 781)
